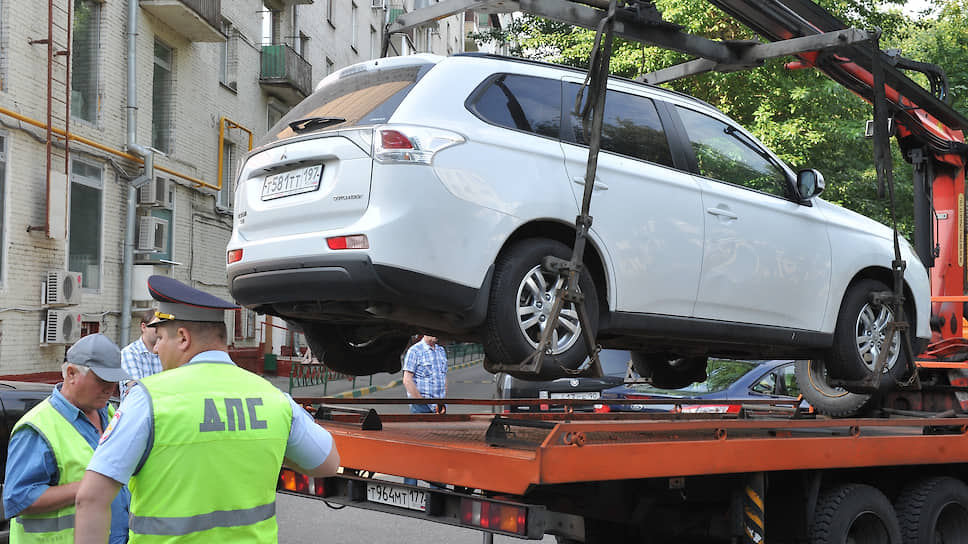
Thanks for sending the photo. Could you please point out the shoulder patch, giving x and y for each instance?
(111, 424)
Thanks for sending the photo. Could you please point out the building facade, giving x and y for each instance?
(92, 89)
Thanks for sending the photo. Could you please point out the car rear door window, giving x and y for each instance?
(631, 126)
(725, 153)
(527, 103)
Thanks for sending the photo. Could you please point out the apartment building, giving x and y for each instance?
(97, 97)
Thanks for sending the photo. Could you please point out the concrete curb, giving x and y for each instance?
(363, 391)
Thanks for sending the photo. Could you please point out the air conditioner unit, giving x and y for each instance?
(62, 288)
(156, 193)
(60, 327)
(152, 234)
(378, 4)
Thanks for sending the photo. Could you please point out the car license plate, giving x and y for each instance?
(293, 182)
(404, 497)
(588, 395)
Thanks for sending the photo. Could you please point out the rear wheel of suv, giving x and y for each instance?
(343, 349)
(861, 335)
(669, 373)
(522, 295)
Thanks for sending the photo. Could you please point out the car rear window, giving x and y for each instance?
(361, 97)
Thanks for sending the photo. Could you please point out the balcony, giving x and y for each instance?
(197, 20)
(285, 74)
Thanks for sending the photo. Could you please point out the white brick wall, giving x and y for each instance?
(200, 232)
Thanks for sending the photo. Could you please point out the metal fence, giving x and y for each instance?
(281, 64)
(310, 374)
(210, 10)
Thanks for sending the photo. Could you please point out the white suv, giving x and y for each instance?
(422, 193)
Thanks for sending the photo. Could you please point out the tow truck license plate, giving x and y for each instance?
(404, 497)
(590, 395)
(293, 182)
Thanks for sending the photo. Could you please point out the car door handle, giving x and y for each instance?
(599, 186)
(722, 212)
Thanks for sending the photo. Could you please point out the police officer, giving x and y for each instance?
(53, 442)
(202, 441)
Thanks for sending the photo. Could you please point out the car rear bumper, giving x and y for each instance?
(355, 279)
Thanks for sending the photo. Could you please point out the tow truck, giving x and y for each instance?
(770, 472)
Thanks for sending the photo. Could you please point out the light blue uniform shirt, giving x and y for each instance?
(126, 443)
(31, 467)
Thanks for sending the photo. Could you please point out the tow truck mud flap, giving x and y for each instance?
(472, 510)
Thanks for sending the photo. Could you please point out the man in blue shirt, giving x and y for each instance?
(34, 489)
(425, 374)
(138, 358)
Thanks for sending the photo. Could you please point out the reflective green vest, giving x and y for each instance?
(72, 453)
(218, 439)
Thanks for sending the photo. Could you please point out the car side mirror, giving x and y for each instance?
(810, 184)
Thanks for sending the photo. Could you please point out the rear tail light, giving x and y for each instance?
(602, 409)
(290, 480)
(357, 241)
(234, 256)
(411, 144)
(495, 516)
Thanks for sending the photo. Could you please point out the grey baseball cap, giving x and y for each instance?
(101, 355)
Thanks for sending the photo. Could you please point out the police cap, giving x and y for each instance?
(179, 302)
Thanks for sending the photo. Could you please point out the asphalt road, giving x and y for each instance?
(309, 521)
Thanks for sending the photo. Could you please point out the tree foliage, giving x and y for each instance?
(807, 119)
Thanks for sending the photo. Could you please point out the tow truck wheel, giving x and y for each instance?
(522, 295)
(860, 336)
(826, 399)
(667, 372)
(934, 511)
(344, 350)
(855, 513)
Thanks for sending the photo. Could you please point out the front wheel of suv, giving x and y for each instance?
(522, 296)
(861, 334)
(345, 350)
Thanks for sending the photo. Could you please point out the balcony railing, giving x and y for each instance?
(197, 20)
(286, 71)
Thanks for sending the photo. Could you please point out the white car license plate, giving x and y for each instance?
(588, 395)
(404, 497)
(293, 182)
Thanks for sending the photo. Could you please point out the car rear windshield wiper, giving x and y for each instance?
(313, 123)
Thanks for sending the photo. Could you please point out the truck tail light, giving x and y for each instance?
(411, 144)
(495, 516)
(234, 256)
(357, 241)
(290, 480)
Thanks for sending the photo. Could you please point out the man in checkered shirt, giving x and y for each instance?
(425, 374)
(138, 358)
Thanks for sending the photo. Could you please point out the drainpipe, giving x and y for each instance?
(131, 146)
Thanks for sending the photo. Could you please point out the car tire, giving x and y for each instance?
(854, 513)
(934, 510)
(826, 399)
(669, 372)
(522, 294)
(851, 359)
(340, 350)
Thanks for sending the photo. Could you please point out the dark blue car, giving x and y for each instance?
(732, 381)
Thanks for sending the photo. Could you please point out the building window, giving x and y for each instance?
(90, 327)
(274, 113)
(3, 198)
(84, 50)
(84, 247)
(329, 13)
(161, 98)
(226, 194)
(228, 56)
(271, 26)
(244, 324)
(374, 44)
(329, 66)
(354, 32)
(303, 45)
